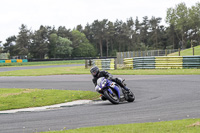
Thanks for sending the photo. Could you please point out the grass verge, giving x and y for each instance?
(178, 126)
(24, 98)
(43, 63)
(187, 52)
(82, 70)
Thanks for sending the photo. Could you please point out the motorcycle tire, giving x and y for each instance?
(113, 98)
(131, 97)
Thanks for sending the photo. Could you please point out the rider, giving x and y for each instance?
(97, 74)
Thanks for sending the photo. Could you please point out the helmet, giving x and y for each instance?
(94, 70)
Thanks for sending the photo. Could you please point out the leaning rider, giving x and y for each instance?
(97, 74)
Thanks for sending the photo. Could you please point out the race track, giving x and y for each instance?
(158, 98)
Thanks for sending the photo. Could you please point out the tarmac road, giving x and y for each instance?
(158, 98)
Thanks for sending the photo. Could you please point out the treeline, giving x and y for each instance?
(105, 38)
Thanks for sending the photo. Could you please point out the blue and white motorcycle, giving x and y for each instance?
(113, 92)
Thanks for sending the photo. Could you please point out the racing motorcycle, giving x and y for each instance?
(113, 92)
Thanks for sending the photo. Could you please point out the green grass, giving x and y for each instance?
(178, 126)
(82, 70)
(47, 71)
(24, 98)
(157, 72)
(43, 63)
(187, 52)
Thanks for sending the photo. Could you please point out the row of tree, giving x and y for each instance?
(105, 38)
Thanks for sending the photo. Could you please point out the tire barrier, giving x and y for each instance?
(105, 64)
(128, 62)
(14, 61)
(2, 61)
(169, 62)
(191, 61)
(163, 62)
(144, 63)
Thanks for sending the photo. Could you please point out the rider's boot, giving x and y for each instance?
(122, 85)
(127, 89)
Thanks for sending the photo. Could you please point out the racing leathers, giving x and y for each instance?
(109, 76)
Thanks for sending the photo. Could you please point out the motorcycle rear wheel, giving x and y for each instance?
(131, 97)
(113, 98)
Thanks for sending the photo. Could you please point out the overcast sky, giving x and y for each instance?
(70, 13)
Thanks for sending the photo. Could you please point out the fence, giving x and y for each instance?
(14, 61)
(163, 62)
(130, 54)
(102, 64)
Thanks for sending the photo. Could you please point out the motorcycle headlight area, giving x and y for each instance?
(104, 83)
(97, 88)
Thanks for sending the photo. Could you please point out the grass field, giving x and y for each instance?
(24, 98)
(43, 63)
(187, 52)
(178, 126)
(82, 70)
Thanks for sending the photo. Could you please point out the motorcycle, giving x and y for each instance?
(113, 92)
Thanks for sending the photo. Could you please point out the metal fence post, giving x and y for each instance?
(115, 62)
(193, 51)
(86, 64)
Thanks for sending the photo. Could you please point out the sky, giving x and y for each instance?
(70, 13)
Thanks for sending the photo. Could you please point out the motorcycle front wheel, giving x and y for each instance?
(113, 98)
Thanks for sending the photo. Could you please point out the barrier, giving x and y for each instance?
(14, 61)
(163, 62)
(2, 61)
(128, 62)
(144, 63)
(24, 60)
(105, 64)
(7, 61)
(169, 62)
(19, 60)
(191, 61)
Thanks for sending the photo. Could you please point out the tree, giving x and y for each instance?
(79, 28)
(144, 30)
(52, 45)
(99, 28)
(9, 46)
(194, 22)
(39, 43)
(118, 34)
(136, 38)
(1, 48)
(63, 32)
(23, 40)
(178, 17)
(63, 48)
(109, 34)
(154, 29)
(81, 45)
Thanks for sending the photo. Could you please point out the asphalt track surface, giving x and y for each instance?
(158, 98)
